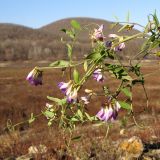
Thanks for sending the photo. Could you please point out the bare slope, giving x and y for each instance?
(23, 43)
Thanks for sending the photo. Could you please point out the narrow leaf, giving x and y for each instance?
(59, 64)
(117, 19)
(57, 100)
(79, 113)
(122, 28)
(69, 47)
(85, 65)
(76, 138)
(32, 118)
(128, 16)
(88, 116)
(76, 76)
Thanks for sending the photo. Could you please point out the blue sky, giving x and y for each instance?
(36, 13)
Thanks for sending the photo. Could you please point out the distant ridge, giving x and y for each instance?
(23, 43)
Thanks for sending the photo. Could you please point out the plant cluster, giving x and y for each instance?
(103, 58)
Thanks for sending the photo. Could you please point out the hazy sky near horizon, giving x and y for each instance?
(37, 13)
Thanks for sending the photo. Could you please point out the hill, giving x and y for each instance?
(24, 43)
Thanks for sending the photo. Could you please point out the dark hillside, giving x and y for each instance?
(84, 42)
(23, 43)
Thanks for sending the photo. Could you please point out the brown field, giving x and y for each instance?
(18, 99)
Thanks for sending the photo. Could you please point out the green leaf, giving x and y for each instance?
(69, 47)
(94, 56)
(76, 76)
(126, 92)
(88, 116)
(128, 78)
(76, 138)
(122, 28)
(158, 54)
(49, 114)
(117, 19)
(79, 114)
(49, 123)
(32, 118)
(71, 33)
(60, 102)
(128, 16)
(73, 119)
(64, 30)
(75, 24)
(60, 64)
(125, 105)
(156, 19)
(113, 25)
(85, 66)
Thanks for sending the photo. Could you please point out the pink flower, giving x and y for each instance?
(113, 36)
(98, 34)
(120, 47)
(85, 99)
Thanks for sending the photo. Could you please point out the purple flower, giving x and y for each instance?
(97, 75)
(121, 46)
(64, 86)
(105, 114)
(108, 44)
(35, 77)
(109, 113)
(98, 34)
(72, 96)
(69, 91)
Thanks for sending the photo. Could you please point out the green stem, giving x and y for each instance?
(146, 96)
(128, 38)
(89, 72)
(118, 89)
(132, 24)
(106, 135)
(26, 121)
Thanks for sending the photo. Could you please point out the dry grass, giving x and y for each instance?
(18, 99)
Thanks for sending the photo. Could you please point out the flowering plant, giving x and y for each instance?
(102, 61)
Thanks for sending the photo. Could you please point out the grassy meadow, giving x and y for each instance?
(18, 99)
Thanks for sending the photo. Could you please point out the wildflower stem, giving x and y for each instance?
(146, 95)
(118, 89)
(132, 23)
(128, 38)
(135, 122)
(89, 72)
(106, 135)
(26, 121)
